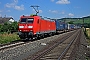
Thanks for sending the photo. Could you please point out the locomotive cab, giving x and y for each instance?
(27, 26)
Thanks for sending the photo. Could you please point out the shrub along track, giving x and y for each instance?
(57, 48)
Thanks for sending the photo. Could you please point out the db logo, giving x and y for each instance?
(26, 26)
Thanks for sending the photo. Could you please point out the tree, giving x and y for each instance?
(14, 27)
(71, 22)
(9, 27)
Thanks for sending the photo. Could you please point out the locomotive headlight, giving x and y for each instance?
(21, 26)
(30, 26)
(20, 30)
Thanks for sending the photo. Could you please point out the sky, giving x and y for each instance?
(47, 8)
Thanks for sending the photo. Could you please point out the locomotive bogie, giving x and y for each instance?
(24, 35)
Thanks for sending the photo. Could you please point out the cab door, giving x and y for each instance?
(37, 26)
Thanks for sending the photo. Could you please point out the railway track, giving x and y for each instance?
(56, 49)
(22, 50)
(13, 44)
(10, 45)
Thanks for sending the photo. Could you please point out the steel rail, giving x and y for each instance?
(66, 49)
(39, 55)
(11, 45)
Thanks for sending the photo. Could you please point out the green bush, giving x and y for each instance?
(7, 38)
(9, 27)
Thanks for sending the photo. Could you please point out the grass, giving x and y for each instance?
(7, 38)
(87, 33)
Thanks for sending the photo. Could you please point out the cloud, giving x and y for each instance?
(10, 16)
(19, 7)
(52, 0)
(0, 15)
(53, 11)
(57, 12)
(4, 11)
(14, 5)
(62, 12)
(63, 2)
(8, 11)
(15, 1)
(10, 5)
(70, 14)
(40, 11)
(0, 11)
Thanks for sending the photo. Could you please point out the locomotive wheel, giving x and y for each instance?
(42, 36)
(38, 36)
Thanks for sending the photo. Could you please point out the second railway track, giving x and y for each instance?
(56, 49)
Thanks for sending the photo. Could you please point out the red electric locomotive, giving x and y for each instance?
(35, 26)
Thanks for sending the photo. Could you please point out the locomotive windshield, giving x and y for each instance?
(30, 20)
(27, 20)
(23, 20)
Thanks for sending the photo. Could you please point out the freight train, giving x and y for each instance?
(35, 26)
